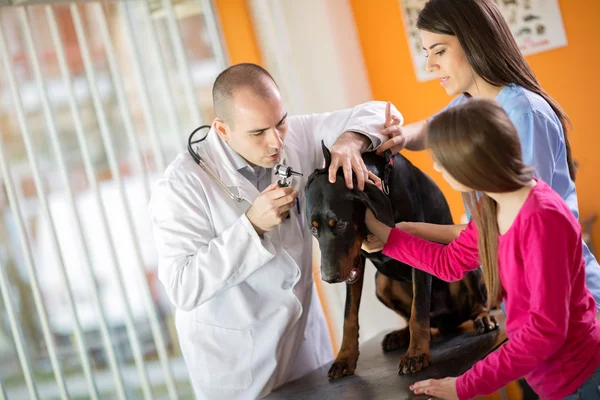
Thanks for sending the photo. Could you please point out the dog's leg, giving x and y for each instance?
(418, 355)
(397, 296)
(483, 322)
(345, 362)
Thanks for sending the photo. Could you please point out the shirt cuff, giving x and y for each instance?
(462, 389)
(263, 243)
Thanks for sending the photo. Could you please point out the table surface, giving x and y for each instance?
(377, 376)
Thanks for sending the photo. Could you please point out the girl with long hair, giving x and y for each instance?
(530, 246)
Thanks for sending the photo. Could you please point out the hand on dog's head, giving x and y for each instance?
(371, 197)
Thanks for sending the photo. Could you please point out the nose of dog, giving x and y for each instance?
(331, 277)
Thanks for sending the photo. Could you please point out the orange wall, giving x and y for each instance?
(236, 24)
(566, 73)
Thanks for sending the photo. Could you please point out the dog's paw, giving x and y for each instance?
(409, 364)
(344, 365)
(395, 340)
(485, 323)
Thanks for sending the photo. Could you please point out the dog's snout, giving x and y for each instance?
(331, 277)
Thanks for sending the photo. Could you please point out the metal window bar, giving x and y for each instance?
(169, 101)
(93, 183)
(159, 158)
(214, 32)
(26, 248)
(186, 81)
(40, 189)
(62, 167)
(116, 175)
(3, 395)
(184, 68)
(121, 98)
(16, 331)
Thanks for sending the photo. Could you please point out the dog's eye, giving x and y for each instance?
(314, 230)
(341, 225)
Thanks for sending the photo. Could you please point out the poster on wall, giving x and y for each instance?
(536, 25)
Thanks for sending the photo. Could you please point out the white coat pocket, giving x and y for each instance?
(222, 357)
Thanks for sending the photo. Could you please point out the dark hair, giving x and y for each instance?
(490, 48)
(244, 75)
(478, 145)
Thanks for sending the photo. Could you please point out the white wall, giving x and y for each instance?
(311, 47)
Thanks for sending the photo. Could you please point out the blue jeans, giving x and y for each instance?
(589, 390)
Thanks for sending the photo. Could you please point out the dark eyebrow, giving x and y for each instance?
(282, 119)
(433, 45)
(264, 129)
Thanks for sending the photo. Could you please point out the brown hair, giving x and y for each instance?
(479, 147)
(490, 48)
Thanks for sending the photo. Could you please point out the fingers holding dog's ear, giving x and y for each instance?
(374, 179)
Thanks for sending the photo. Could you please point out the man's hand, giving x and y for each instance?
(346, 153)
(271, 208)
(440, 388)
(393, 131)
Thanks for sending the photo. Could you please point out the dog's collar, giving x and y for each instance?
(389, 165)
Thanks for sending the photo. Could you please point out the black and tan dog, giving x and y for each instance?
(336, 216)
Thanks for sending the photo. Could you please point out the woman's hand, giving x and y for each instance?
(392, 129)
(440, 388)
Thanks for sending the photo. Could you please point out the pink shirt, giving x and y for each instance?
(554, 338)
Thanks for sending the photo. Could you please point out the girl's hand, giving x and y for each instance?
(372, 244)
(440, 388)
(370, 221)
(380, 232)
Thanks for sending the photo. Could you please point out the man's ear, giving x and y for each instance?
(377, 202)
(222, 129)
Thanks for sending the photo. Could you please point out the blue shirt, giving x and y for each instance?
(260, 177)
(543, 146)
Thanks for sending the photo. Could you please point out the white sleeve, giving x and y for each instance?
(194, 263)
(367, 119)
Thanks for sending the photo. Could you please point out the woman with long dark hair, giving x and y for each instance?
(471, 50)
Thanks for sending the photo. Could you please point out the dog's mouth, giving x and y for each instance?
(353, 276)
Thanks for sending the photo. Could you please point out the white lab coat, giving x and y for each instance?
(247, 314)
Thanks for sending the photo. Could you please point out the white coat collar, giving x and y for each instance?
(213, 150)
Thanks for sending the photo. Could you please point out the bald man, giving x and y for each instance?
(239, 273)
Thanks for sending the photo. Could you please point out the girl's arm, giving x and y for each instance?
(432, 232)
(447, 262)
(549, 244)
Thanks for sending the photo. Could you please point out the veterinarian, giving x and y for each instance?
(470, 48)
(239, 273)
(530, 246)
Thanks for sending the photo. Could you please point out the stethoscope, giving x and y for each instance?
(280, 170)
(203, 165)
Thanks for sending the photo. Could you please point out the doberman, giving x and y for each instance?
(336, 216)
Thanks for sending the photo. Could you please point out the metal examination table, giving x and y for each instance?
(376, 375)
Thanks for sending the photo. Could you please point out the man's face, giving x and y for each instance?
(258, 126)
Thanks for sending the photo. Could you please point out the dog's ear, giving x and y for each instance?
(377, 202)
(326, 154)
